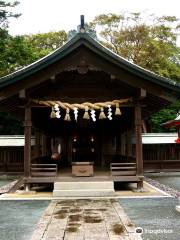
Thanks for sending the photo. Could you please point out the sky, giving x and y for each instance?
(44, 15)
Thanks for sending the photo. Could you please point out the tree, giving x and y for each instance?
(20, 51)
(44, 43)
(149, 42)
(6, 14)
(8, 125)
(17, 54)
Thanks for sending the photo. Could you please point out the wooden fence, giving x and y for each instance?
(11, 159)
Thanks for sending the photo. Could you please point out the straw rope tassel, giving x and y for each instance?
(67, 117)
(83, 106)
(86, 114)
(53, 113)
(118, 111)
(102, 114)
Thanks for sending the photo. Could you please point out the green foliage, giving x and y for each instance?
(44, 43)
(16, 54)
(6, 12)
(163, 116)
(19, 51)
(148, 41)
(9, 125)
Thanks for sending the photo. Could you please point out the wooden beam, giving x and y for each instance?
(27, 145)
(138, 134)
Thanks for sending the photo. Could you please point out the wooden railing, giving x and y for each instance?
(41, 173)
(123, 169)
(43, 170)
(125, 172)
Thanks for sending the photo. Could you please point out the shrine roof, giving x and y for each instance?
(84, 39)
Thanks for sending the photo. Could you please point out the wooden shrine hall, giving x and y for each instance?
(83, 103)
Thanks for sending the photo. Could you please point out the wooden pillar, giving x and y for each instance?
(27, 144)
(138, 134)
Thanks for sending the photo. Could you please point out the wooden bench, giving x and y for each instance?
(124, 172)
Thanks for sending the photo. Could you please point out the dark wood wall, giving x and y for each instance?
(159, 157)
(11, 159)
(156, 157)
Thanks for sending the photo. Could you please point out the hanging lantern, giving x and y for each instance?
(118, 111)
(67, 116)
(93, 115)
(53, 113)
(102, 114)
(76, 113)
(109, 112)
(86, 114)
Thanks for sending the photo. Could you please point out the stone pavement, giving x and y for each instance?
(85, 220)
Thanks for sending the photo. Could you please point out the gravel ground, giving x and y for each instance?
(156, 216)
(4, 182)
(7, 187)
(171, 179)
(19, 218)
(173, 192)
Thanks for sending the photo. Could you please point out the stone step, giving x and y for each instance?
(83, 185)
(83, 189)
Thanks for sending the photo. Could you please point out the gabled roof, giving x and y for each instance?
(83, 39)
